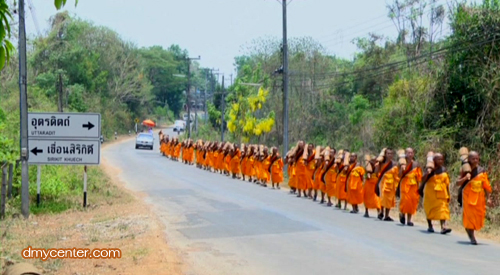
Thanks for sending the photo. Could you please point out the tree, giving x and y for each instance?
(6, 47)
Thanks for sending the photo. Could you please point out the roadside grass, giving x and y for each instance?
(62, 190)
(17, 233)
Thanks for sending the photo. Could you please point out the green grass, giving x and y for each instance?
(62, 190)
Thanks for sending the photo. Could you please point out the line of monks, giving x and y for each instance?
(338, 177)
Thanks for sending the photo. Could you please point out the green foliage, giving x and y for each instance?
(214, 115)
(6, 47)
(7, 149)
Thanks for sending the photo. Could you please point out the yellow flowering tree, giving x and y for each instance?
(244, 115)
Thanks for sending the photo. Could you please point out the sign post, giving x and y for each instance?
(64, 139)
(84, 186)
(38, 175)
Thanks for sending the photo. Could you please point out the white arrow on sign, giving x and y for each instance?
(64, 125)
(64, 152)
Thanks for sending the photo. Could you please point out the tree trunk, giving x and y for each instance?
(11, 176)
(4, 191)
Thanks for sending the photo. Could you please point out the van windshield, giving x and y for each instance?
(146, 136)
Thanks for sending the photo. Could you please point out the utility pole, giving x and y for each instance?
(231, 75)
(61, 94)
(196, 109)
(222, 114)
(209, 82)
(205, 94)
(188, 98)
(285, 82)
(23, 107)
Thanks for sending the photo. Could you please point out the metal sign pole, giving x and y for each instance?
(85, 186)
(38, 179)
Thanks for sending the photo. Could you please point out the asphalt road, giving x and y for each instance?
(224, 226)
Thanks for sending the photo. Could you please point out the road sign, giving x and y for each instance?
(64, 125)
(61, 152)
(136, 120)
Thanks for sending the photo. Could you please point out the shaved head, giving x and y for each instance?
(438, 160)
(473, 159)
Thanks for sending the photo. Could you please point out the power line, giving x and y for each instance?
(406, 60)
(395, 66)
(386, 24)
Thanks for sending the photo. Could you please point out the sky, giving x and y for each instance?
(218, 30)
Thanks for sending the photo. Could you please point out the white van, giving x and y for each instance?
(179, 126)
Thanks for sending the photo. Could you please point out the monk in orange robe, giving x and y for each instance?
(354, 183)
(219, 162)
(251, 163)
(388, 175)
(171, 149)
(330, 177)
(301, 170)
(177, 150)
(191, 153)
(265, 167)
(410, 175)
(235, 162)
(476, 189)
(163, 146)
(341, 182)
(435, 189)
(318, 185)
(167, 148)
(370, 198)
(243, 162)
(276, 168)
(258, 167)
(227, 161)
(311, 167)
(292, 178)
(183, 153)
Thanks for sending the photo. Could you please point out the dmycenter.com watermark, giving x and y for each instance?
(71, 253)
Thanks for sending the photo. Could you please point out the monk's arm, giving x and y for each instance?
(463, 178)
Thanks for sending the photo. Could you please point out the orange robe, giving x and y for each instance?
(219, 162)
(184, 153)
(163, 148)
(235, 163)
(257, 169)
(370, 198)
(474, 201)
(251, 166)
(265, 175)
(211, 159)
(277, 171)
(317, 183)
(311, 166)
(331, 180)
(437, 198)
(409, 190)
(177, 150)
(340, 193)
(292, 177)
(171, 150)
(198, 158)
(388, 185)
(355, 185)
(244, 169)
(301, 173)
(227, 162)
(190, 158)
